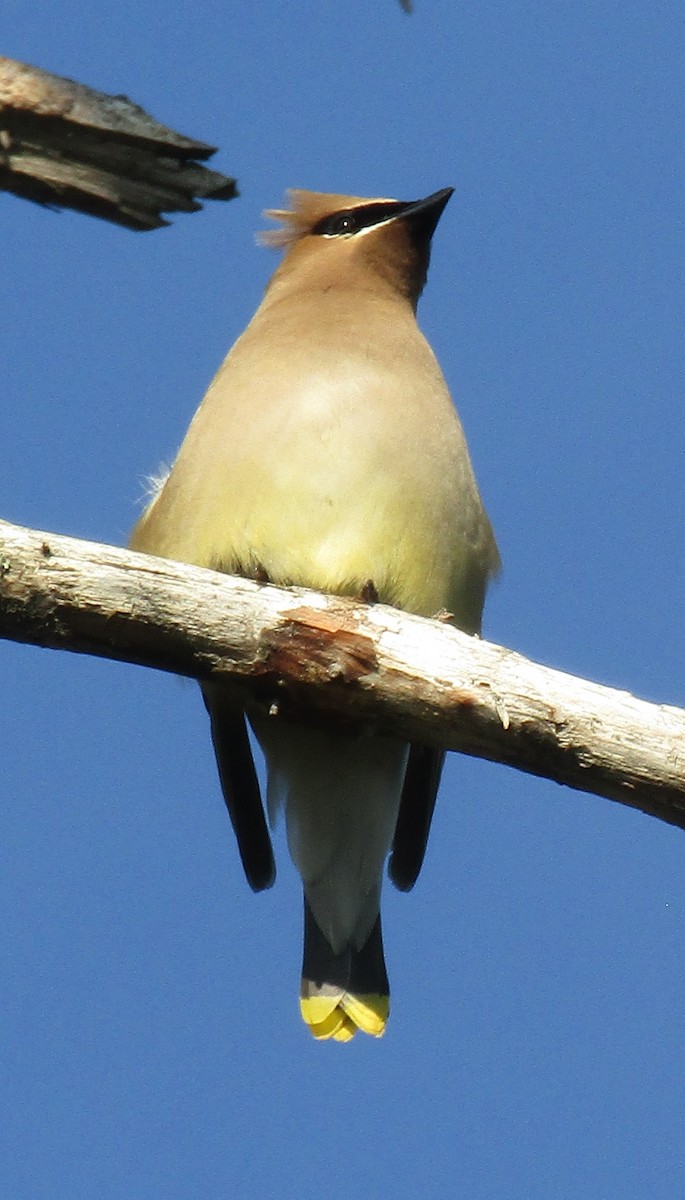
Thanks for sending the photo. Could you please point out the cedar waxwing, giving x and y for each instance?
(327, 453)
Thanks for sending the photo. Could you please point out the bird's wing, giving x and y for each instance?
(419, 793)
(240, 788)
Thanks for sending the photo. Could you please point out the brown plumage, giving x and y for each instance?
(327, 453)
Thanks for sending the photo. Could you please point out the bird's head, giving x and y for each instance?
(333, 240)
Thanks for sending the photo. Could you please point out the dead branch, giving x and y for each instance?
(310, 654)
(67, 146)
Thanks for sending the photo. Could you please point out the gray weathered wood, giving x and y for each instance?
(68, 146)
(312, 655)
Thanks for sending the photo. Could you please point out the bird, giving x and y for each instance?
(327, 453)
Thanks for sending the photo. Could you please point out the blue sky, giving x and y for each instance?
(151, 1044)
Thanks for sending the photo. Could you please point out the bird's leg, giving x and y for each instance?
(260, 574)
(369, 592)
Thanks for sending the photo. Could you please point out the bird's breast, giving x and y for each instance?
(327, 463)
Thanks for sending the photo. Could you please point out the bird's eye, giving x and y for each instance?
(344, 223)
(353, 220)
(339, 223)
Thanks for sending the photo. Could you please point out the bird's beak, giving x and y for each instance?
(425, 214)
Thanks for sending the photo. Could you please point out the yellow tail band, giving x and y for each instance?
(339, 1017)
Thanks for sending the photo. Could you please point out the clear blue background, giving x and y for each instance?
(150, 1043)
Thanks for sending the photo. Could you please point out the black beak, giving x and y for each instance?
(425, 214)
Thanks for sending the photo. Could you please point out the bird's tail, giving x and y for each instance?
(341, 993)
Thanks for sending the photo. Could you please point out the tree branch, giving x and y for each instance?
(307, 654)
(68, 146)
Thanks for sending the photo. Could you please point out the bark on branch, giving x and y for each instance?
(67, 146)
(310, 654)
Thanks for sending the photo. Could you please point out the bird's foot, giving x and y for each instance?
(369, 592)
